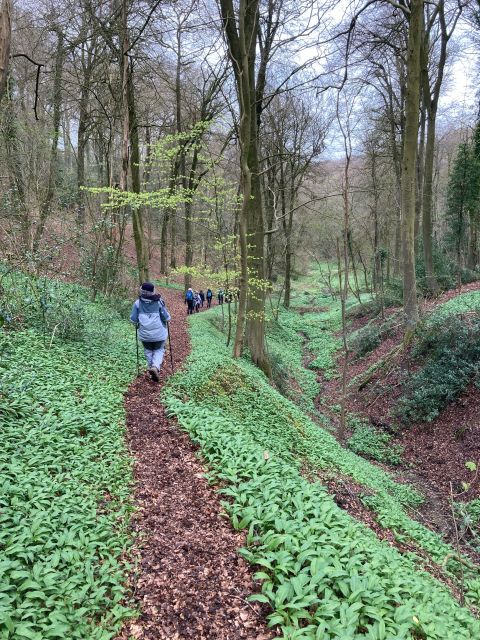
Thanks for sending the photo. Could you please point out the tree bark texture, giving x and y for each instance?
(412, 104)
(129, 127)
(5, 39)
(427, 226)
(420, 166)
(167, 214)
(88, 60)
(137, 212)
(16, 177)
(53, 168)
(242, 41)
(431, 103)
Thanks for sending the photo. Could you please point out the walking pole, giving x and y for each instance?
(138, 359)
(170, 345)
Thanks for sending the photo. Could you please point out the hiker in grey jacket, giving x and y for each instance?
(198, 301)
(150, 315)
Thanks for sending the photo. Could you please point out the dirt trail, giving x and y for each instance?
(190, 582)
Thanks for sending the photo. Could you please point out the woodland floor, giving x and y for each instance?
(435, 453)
(189, 583)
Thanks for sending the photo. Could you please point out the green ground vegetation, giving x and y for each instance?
(372, 443)
(297, 338)
(286, 349)
(65, 473)
(324, 575)
(370, 336)
(301, 342)
(447, 344)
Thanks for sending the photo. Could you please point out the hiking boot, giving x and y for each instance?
(153, 371)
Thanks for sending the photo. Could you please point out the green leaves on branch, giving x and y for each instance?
(161, 198)
(206, 274)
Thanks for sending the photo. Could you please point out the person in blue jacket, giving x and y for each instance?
(151, 316)
(209, 298)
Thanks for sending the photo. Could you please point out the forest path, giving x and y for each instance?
(190, 583)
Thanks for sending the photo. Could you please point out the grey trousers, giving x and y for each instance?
(154, 353)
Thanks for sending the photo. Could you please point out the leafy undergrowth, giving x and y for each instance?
(448, 341)
(372, 443)
(368, 337)
(285, 346)
(440, 364)
(464, 303)
(317, 332)
(65, 478)
(287, 337)
(324, 574)
(320, 330)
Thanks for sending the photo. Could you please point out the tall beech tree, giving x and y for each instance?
(130, 144)
(412, 108)
(46, 205)
(241, 31)
(431, 84)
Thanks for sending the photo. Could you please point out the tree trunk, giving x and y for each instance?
(356, 293)
(431, 101)
(130, 135)
(420, 165)
(410, 305)
(82, 138)
(473, 259)
(287, 218)
(146, 181)
(288, 275)
(268, 189)
(172, 182)
(163, 242)
(191, 186)
(178, 118)
(374, 212)
(427, 231)
(5, 39)
(173, 240)
(243, 279)
(188, 244)
(397, 163)
(137, 213)
(15, 170)
(53, 168)
(242, 44)
(255, 247)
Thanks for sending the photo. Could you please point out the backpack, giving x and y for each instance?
(189, 296)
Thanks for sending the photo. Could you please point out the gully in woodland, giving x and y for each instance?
(150, 316)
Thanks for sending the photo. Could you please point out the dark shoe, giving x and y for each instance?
(153, 371)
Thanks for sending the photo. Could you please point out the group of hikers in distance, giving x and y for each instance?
(196, 299)
(151, 317)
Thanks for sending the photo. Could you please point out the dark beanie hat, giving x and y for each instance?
(147, 289)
